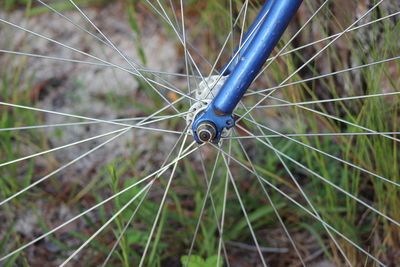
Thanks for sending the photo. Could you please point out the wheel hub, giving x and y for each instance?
(206, 131)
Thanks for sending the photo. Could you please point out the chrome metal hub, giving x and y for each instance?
(207, 90)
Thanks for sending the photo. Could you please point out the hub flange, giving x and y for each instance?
(208, 130)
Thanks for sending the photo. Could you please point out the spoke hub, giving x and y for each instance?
(206, 130)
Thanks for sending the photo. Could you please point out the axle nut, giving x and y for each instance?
(206, 132)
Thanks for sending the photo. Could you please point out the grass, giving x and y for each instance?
(177, 223)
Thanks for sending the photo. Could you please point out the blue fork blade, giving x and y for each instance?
(257, 52)
(251, 32)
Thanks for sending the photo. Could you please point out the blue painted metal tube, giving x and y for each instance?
(248, 37)
(258, 51)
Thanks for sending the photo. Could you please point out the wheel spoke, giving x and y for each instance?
(166, 18)
(159, 172)
(309, 135)
(228, 37)
(305, 209)
(304, 196)
(97, 38)
(139, 126)
(57, 42)
(272, 203)
(122, 55)
(120, 132)
(106, 224)
(326, 100)
(135, 72)
(122, 233)
(44, 178)
(339, 119)
(293, 37)
(207, 195)
(260, 92)
(60, 147)
(53, 58)
(152, 182)
(246, 5)
(313, 57)
(161, 207)
(141, 69)
(337, 34)
(178, 35)
(329, 182)
(231, 61)
(254, 32)
(92, 119)
(221, 237)
(183, 29)
(157, 118)
(244, 212)
(231, 30)
(324, 153)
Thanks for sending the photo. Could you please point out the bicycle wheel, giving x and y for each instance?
(98, 162)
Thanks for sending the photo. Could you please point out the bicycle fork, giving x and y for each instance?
(243, 67)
